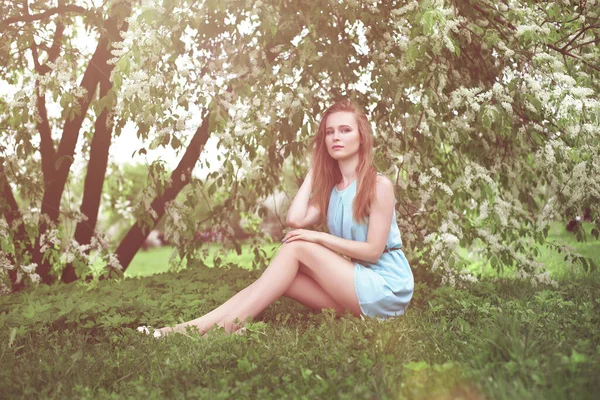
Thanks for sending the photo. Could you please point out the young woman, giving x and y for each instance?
(373, 279)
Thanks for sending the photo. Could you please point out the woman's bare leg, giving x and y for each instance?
(207, 321)
(305, 290)
(332, 274)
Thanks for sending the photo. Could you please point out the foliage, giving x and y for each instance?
(499, 339)
(486, 113)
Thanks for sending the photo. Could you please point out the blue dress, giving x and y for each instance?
(384, 288)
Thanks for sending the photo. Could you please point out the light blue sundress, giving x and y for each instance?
(384, 288)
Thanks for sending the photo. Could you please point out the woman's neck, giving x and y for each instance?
(348, 170)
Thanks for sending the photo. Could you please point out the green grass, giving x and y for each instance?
(500, 339)
(156, 260)
(553, 261)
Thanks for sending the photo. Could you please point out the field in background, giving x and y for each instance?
(156, 260)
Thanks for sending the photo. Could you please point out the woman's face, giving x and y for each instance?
(342, 137)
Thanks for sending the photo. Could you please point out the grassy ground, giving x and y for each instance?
(156, 260)
(500, 339)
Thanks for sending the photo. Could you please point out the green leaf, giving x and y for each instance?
(212, 188)
(117, 80)
(428, 21)
(489, 114)
(123, 65)
(175, 142)
(149, 16)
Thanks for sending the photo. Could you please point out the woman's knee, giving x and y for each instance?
(297, 247)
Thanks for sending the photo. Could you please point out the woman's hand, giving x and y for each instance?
(302, 234)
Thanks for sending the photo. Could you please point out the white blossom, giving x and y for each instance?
(30, 268)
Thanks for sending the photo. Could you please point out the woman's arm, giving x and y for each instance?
(301, 214)
(380, 221)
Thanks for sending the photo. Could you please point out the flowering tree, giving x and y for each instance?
(486, 116)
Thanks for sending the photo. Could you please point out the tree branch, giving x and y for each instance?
(69, 8)
(54, 50)
(47, 150)
(566, 53)
(180, 177)
(10, 210)
(584, 44)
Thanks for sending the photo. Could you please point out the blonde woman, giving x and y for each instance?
(359, 265)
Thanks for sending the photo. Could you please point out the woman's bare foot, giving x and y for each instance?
(179, 328)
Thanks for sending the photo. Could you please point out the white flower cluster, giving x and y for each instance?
(143, 203)
(175, 223)
(483, 212)
(4, 229)
(5, 263)
(548, 214)
(30, 268)
(60, 76)
(428, 182)
(4, 289)
(23, 270)
(411, 6)
(288, 103)
(113, 262)
(50, 239)
(469, 97)
(444, 241)
(159, 137)
(522, 29)
(502, 210)
(75, 251)
(123, 208)
(455, 278)
(474, 172)
(581, 184)
(537, 278)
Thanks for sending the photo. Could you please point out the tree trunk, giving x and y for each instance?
(10, 211)
(94, 180)
(180, 177)
(96, 70)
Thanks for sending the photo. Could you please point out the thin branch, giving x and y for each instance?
(584, 43)
(566, 53)
(54, 50)
(47, 150)
(581, 32)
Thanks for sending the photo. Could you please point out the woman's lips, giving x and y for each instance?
(336, 147)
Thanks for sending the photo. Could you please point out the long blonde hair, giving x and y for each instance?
(326, 171)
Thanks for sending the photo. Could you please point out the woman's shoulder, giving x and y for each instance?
(384, 188)
(384, 180)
